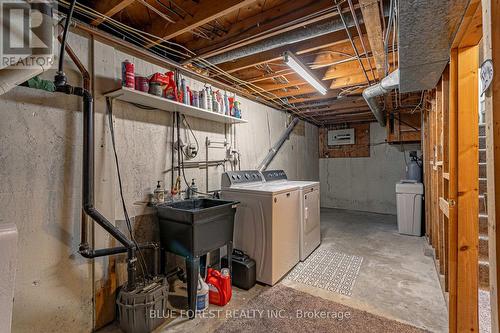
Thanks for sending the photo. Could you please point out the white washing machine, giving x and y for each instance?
(310, 233)
(266, 223)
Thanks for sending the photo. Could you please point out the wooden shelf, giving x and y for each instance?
(163, 104)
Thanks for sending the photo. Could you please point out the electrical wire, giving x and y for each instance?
(181, 161)
(142, 261)
(270, 97)
(192, 133)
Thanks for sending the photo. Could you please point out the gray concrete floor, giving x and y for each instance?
(396, 280)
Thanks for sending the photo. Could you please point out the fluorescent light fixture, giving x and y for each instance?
(301, 69)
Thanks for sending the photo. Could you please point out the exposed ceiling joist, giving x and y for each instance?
(313, 97)
(243, 32)
(206, 11)
(373, 24)
(109, 9)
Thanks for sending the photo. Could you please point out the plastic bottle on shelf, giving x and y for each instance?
(185, 94)
(196, 99)
(203, 99)
(209, 99)
(226, 104)
(171, 88)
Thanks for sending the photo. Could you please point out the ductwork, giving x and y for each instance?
(426, 33)
(370, 95)
(287, 38)
(274, 150)
(34, 64)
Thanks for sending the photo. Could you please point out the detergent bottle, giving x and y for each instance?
(202, 295)
(219, 287)
(171, 88)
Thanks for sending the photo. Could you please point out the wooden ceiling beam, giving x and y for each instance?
(313, 97)
(337, 106)
(205, 12)
(334, 115)
(243, 32)
(347, 100)
(373, 24)
(109, 9)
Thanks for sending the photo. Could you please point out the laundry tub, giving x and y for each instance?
(409, 207)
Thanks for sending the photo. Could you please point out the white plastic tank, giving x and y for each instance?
(409, 207)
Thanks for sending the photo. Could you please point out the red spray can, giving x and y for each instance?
(128, 79)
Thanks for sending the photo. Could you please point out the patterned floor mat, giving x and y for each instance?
(328, 269)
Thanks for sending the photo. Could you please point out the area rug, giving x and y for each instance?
(286, 310)
(327, 269)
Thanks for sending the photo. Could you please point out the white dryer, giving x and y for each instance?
(266, 223)
(310, 233)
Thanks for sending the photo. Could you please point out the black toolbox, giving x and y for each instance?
(244, 270)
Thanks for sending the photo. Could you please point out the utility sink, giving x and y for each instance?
(192, 228)
(196, 226)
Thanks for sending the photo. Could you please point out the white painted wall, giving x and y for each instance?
(40, 177)
(364, 183)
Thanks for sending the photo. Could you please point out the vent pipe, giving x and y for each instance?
(371, 93)
(275, 149)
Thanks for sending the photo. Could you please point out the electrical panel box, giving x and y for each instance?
(341, 137)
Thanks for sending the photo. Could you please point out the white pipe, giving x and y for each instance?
(370, 94)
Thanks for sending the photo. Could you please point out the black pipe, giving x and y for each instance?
(64, 37)
(88, 188)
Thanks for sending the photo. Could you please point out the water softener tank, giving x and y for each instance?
(414, 168)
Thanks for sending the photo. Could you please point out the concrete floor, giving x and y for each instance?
(396, 280)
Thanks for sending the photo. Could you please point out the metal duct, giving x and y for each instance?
(274, 150)
(370, 94)
(426, 32)
(287, 38)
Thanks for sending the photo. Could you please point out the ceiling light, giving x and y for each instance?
(291, 60)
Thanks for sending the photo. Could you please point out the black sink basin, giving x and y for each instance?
(197, 226)
(192, 228)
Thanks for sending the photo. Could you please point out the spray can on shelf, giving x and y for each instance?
(196, 99)
(209, 99)
(185, 94)
(226, 104)
(128, 78)
(237, 109)
(203, 99)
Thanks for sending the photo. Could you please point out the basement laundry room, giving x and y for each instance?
(249, 166)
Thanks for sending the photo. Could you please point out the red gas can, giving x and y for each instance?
(219, 286)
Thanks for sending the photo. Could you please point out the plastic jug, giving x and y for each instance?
(171, 87)
(202, 295)
(220, 291)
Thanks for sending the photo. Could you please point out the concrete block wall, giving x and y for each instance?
(366, 184)
(40, 177)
